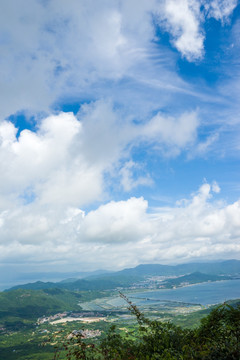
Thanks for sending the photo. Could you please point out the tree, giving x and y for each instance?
(218, 338)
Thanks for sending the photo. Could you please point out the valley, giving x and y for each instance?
(37, 314)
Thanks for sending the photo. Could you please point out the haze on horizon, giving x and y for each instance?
(119, 133)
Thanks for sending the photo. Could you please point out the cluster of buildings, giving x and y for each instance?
(85, 334)
(57, 316)
(65, 314)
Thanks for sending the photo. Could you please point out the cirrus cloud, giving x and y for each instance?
(53, 50)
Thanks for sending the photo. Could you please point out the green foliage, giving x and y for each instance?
(194, 278)
(99, 283)
(219, 333)
(31, 304)
(217, 338)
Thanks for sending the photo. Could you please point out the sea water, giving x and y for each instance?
(205, 294)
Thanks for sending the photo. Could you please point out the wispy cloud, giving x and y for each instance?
(53, 49)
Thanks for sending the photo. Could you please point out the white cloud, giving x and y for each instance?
(183, 20)
(172, 134)
(121, 221)
(101, 50)
(215, 187)
(49, 175)
(47, 164)
(123, 233)
(127, 173)
(220, 9)
(64, 161)
(54, 50)
(205, 146)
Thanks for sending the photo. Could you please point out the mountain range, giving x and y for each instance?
(130, 276)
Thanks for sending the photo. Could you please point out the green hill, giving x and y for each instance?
(19, 307)
(127, 277)
(100, 283)
(194, 278)
(229, 267)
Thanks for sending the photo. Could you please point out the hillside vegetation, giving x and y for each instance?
(196, 277)
(127, 277)
(217, 338)
(20, 307)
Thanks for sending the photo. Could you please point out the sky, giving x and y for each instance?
(119, 133)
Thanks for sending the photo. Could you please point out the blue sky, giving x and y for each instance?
(119, 133)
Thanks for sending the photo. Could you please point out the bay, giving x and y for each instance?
(205, 294)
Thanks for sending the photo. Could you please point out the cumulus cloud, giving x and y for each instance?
(45, 163)
(184, 19)
(51, 174)
(121, 221)
(104, 53)
(64, 161)
(123, 232)
(197, 227)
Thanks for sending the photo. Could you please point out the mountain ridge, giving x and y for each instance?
(129, 276)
